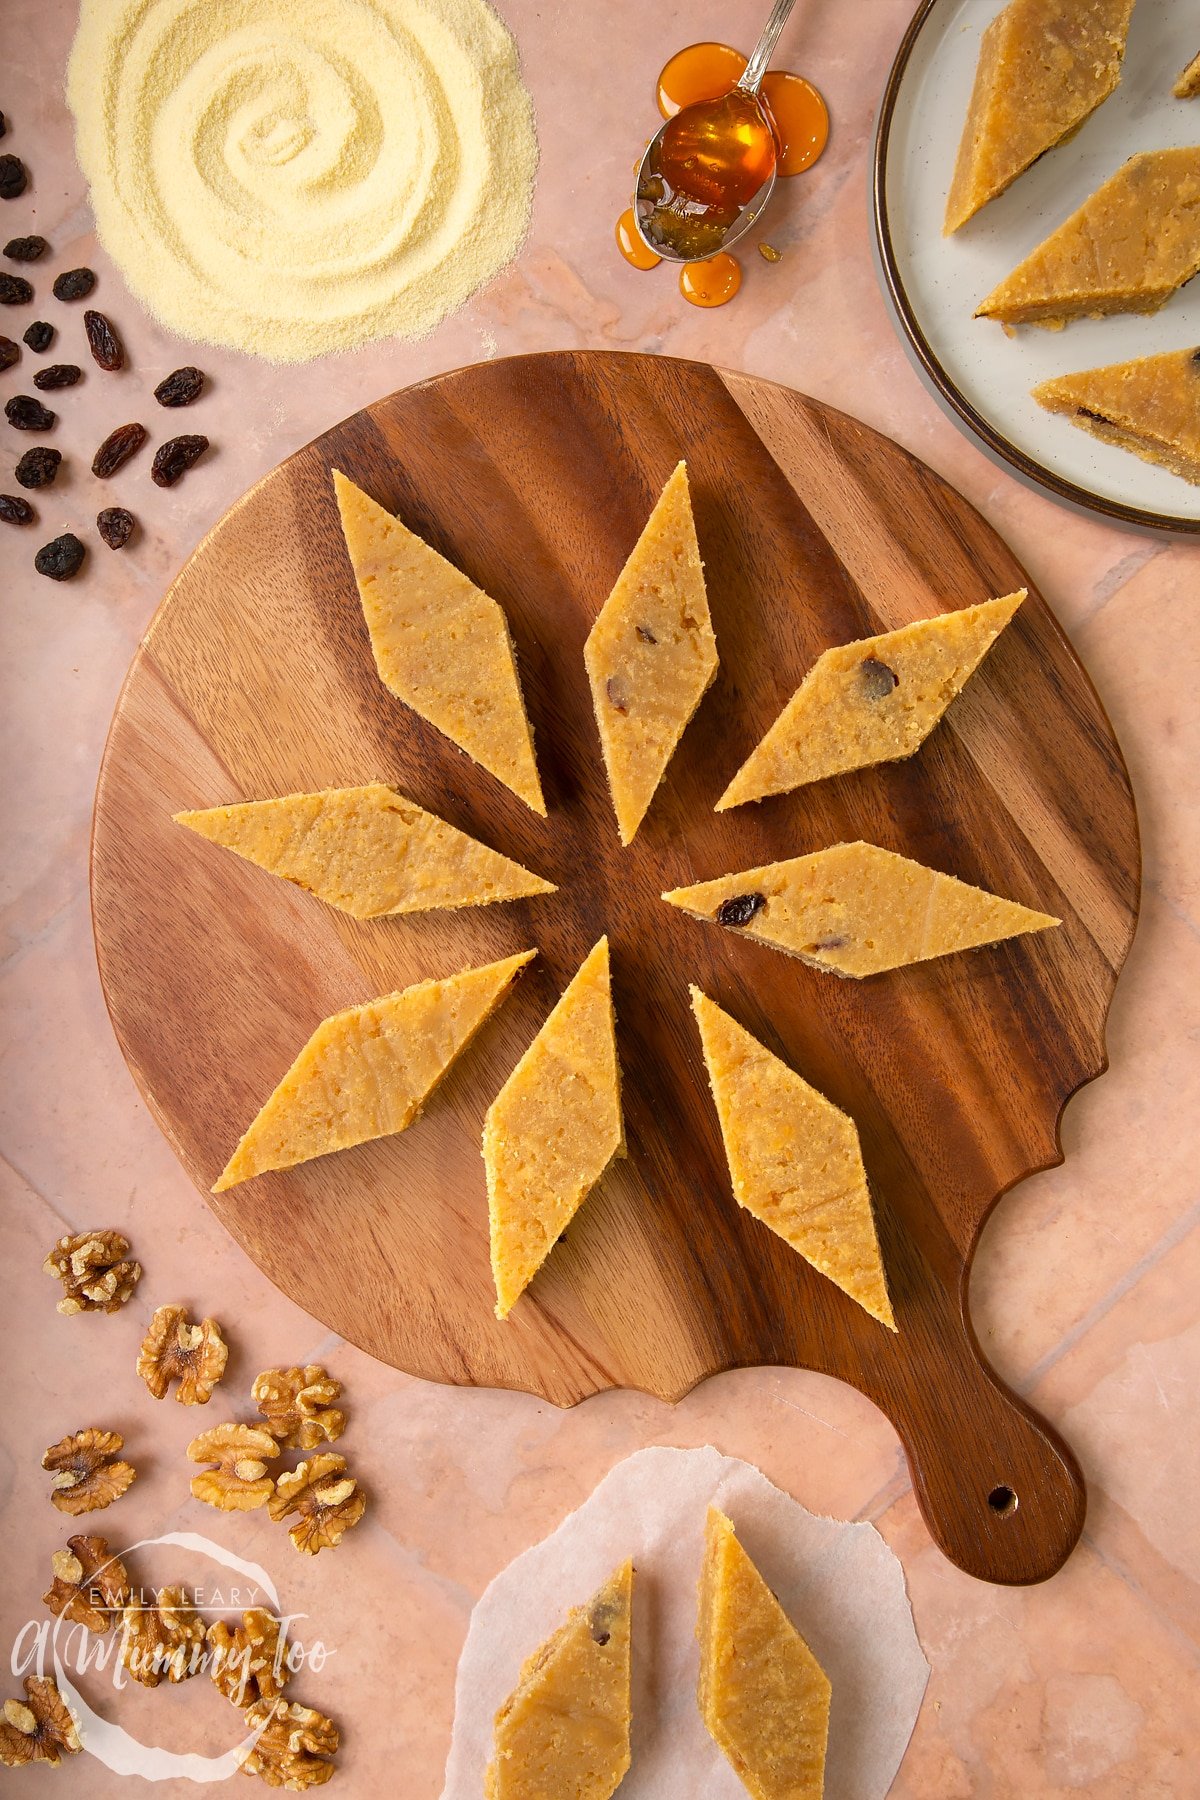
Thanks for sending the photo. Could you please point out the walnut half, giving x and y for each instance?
(327, 1500)
(249, 1663)
(166, 1639)
(85, 1474)
(240, 1481)
(294, 1745)
(90, 1587)
(298, 1405)
(174, 1350)
(39, 1730)
(96, 1270)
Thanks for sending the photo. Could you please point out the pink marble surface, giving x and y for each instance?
(1085, 1287)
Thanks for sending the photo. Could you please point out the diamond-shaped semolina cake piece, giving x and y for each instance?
(1150, 406)
(553, 1129)
(1188, 85)
(855, 909)
(651, 654)
(1044, 67)
(762, 1693)
(563, 1733)
(440, 643)
(367, 850)
(366, 1073)
(794, 1159)
(872, 701)
(1126, 249)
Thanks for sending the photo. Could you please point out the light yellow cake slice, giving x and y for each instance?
(1150, 406)
(440, 643)
(366, 1073)
(1044, 67)
(367, 850)
(553, 1129)
(856, 909)
(563, 1732)
(1128, 248)
(651, 654)
(872, 701)
(794, 1159)
(1188, 85)
(762, 1693)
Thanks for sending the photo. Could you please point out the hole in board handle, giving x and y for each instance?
(1003, 1501)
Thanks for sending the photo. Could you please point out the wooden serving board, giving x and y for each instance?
(535, 475)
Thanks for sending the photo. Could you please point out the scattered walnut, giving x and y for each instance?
(298, 1406)
(328, 1501)
(164, 1639)
(89, 1586)
(240, 1481)
(173, 1350)
(293, 1750)
(86, 1474)
(96, 1271)
(38, 1730)
(249, 1663)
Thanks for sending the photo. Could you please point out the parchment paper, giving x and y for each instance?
(839, 1583)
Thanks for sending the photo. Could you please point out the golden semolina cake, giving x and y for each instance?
(440, 643)
(794, 1159)
(762, 1693)
(651, 654)
(1150, 406)
(563, 1733)
(856, 909)
(1188, 85)
(367, 850)
(872, 701)
(367, 1072)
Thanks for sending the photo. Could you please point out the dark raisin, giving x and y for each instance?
(616, 695)
(646, 635)
(74, 284)
(739, 909)
(14, 290)
(15, 511)
(175, 458)
(1196, 358)
(180, 388)
(117, 449)
(828, 943)
(26, 249)
(601, 1637)
(38, 467)
(27, 414)
(115, 526)
(103, 341)
(9, 353)
(14, 178)
(1085, 412)
(39, 336)
(876, 678)
(61, 558)
(58, 375)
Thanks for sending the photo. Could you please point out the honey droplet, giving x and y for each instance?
(711, 282)
(769, 253)
(631, 245)
(701, 72)
(801, 120)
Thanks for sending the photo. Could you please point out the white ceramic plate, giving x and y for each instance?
(935, 283)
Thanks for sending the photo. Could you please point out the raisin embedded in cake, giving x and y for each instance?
(1150, 406)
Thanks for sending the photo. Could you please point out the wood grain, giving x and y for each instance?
(535, 475)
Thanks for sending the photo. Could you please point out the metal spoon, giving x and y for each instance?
(646, 203)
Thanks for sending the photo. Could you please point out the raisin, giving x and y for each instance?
(74, 284)
(1085, 412)
(39, 336)
(739, 909)
(616, 695)
(876, 678)
(175, 458)
(26, 249)
(38, 467)
(103, 341)
(58, 375)
(15, 511)
(14, 177)
(61, 558)
(646, 635)
(14, 290)
(828, 943)
(117, 449)
(180, 388)
(115, 526)
(27, 414)
(601, 1637)
(9, 353)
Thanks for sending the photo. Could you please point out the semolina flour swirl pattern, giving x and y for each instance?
(292, 177)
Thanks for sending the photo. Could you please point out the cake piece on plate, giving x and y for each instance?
(872, 701)
(1150, 406)
(651, 654)
(1126, 249)
(1044, 67)
(1188, 85)
(563, 1732)
(366, 850)
(762, 1693)
(366, 1073)
(794, 1159)
(856, 909)
(440, 643)
(553, 1129)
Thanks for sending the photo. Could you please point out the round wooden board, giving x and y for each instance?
(535, 475)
